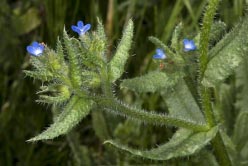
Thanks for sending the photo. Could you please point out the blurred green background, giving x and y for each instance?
(23, 21)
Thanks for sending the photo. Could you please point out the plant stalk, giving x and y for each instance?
(217, 143)
(114, 106)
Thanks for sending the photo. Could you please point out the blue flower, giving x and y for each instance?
(81, 29)
(35, 49)
(189, 45)
(159, 54)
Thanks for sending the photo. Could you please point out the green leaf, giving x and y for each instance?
(101, 41)
(226, 55)
(182, 105)
(99, 124)
(75, 111)
(41, 75)
(151, 82)
(244, 155)
(183, 143)
(175, 44)
(204, 158)
(218, 29)
(230, 148)
(240, 135)
(28, 21)
(118, 62)
(80, 153)
(73, 56)
(242, 84)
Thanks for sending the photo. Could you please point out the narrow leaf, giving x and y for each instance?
(175, 44)
(74, 66)
(183, 143)
(240, 135)
(75, 110)
(99, 124)
(118, 62)
(151, 82)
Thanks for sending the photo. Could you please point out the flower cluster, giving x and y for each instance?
(36, 49)
(188, 45)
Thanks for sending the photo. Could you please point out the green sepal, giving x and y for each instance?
(57, 94)
(91, 79)
(118, 62)
(175, 44)
(152, 82)
(168, 51)
(75, 110)
(40, 75)
(101, 41)
(183, 143)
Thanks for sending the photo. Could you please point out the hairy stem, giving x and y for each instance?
(217, 142)
(114, 106)
(204, 42)
(221, 151)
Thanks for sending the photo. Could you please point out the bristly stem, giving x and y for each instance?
(114, 106)
(204, 43)
(217, 142)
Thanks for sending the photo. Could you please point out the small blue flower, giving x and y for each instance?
(81, 29)
(189, 45)
(159, 54)
(35, 49)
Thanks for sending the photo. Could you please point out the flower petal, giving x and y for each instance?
(80, 24)
(86, 28)
(189, 45)
(157, 56)
(75, 29)
(35, 44)
(31, 49)
(160, 51)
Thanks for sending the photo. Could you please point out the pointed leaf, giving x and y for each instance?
(75, 111)
(175, 44)
(151, 82)
(182, 105)
(118, 62)
(73, 56)
(226, 55)
(183, 143)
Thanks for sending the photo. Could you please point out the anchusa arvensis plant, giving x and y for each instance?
(78, 77)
